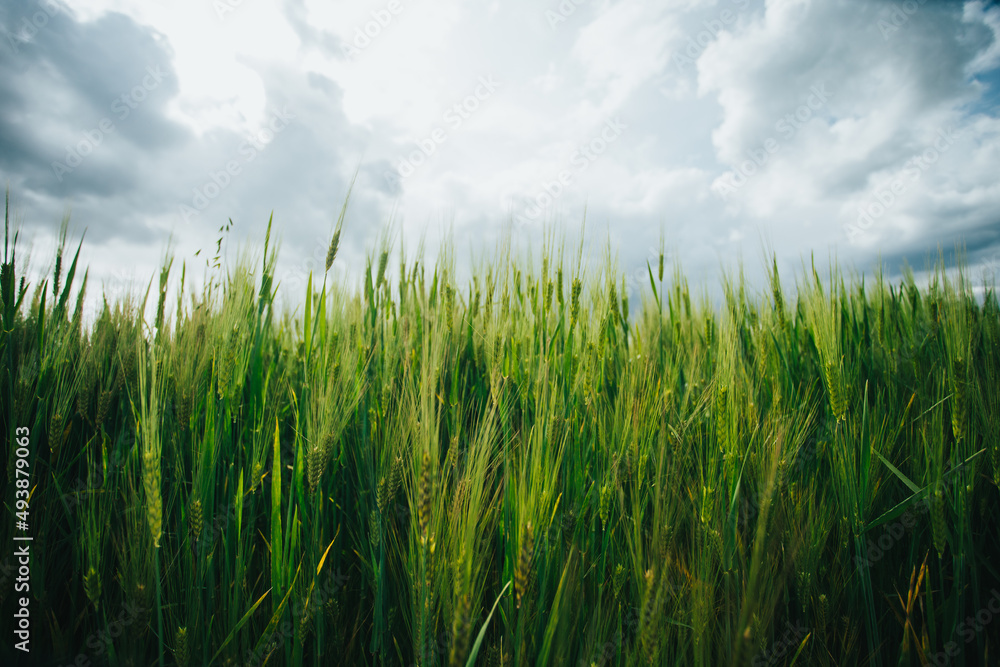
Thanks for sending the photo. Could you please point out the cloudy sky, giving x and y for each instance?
(850, 128)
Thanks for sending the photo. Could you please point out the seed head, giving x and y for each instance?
(424, 496)
(835, 387)
(619, 579)
(574, 307)
(181, 649)
(103, 405)
(383, 261)
(374, 530)
(394, 475)
(151, 484)
(307, 622)
(958, 411)
(331, 253)
(559, 286)
(449, 306)
(647, 628)
(55, 434)
(523, 573)
(256, 475)
(461, 627)
(605, 505)
(184, 409)
(316, 463)
(197, 519)
(92, 586)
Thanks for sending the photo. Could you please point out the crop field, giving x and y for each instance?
(521, 469)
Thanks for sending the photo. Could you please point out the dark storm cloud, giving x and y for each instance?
(84, 128)
(301, 175)
(71, 75)
(890, 91)
(82, 110)
(909, 107)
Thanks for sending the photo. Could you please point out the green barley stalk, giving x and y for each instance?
(559, 443)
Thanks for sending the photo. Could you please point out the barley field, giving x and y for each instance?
(522, 469)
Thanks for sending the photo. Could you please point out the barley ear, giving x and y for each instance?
(182, 651)
(647, 628)
(424, 497)
(92, 586)
(835, 387)
(331, 253)
(315, 464)
(958, 411)
(151, 484)
(196, 519)
(461, 628)
(522, 576)
(574, 308)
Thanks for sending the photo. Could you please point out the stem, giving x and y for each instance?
(159, 608)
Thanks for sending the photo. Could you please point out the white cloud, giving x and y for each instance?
(823, 102)
(824, 106)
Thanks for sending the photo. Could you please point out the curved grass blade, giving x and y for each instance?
(482, 632)
(236, 628)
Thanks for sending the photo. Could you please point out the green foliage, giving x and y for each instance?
(790, 479)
